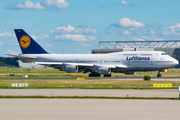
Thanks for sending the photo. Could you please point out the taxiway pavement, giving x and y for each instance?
(88, 109)
(116, 78)
(167, 93)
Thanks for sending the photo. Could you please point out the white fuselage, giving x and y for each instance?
(134, 60)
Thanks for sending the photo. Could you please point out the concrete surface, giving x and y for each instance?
(114, 78)
(168, 93)
(88, 109)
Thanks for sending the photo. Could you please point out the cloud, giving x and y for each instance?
(78, 38)
(126, 22)
(136, 30)
(90, 30)
(45, 35)
(48, 45)
(70, 29)
(172, 30)
(138, 39)
(56, 4)
(158, 32)
(36, 37)
(123, 2)
(152, 32)
(45, 4)
(67, 29)
(69, 32)
(4, 34)
(126, 26)
(91, 38)
(27, 5)
(85, 45)
(126, 32)
(12, 52)
(1, 43)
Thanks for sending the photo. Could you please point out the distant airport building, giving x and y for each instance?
(171, 47)
(28, 65)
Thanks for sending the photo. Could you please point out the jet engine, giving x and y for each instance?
(104, 70)
(71, 68)
(130, 72)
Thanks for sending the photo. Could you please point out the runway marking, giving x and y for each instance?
(89, 106)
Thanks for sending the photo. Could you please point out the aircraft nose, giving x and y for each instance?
(176, 62)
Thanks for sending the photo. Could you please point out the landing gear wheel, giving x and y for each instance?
(94, 75)
(107, 75)
(158, 75)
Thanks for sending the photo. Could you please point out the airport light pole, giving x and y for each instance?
(63, 50)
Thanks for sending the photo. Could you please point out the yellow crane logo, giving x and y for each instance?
(25, 41)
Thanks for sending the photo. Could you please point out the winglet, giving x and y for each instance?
(27, 44)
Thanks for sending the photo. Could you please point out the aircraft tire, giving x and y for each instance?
(158, 75)
(94, 75)
(107, 75)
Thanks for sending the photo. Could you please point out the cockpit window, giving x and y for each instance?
(164, 54)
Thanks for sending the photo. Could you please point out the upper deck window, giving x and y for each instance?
(146, 54)
(164, 54)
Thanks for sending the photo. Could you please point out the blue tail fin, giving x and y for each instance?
(27, 44)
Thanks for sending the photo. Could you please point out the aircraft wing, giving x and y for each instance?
(82, 66)
(61, 63)
(58, 65)
(79, 64)
(114, 66)
(121, 66)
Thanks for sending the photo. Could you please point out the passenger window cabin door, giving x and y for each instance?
(152, 62)
(129, 62)
(100, 61)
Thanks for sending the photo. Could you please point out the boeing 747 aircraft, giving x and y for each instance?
(119, 62)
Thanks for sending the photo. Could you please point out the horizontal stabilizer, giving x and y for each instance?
(23, 57)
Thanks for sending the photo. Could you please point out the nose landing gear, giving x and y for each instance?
(159, 74)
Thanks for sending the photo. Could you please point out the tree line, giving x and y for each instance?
(9, 61)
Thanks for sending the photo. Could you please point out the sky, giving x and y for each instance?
(77, 26)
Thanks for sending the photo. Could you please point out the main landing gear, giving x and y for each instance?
(98, 75)
(94, 75)
(159, 74)
(107, 75)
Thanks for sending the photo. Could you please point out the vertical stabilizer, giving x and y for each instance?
(27, 44)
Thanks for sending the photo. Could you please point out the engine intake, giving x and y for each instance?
(104, 70)
(71, 68)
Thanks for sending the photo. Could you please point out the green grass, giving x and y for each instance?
(85, 84)
(50, 72)
(84, 97)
